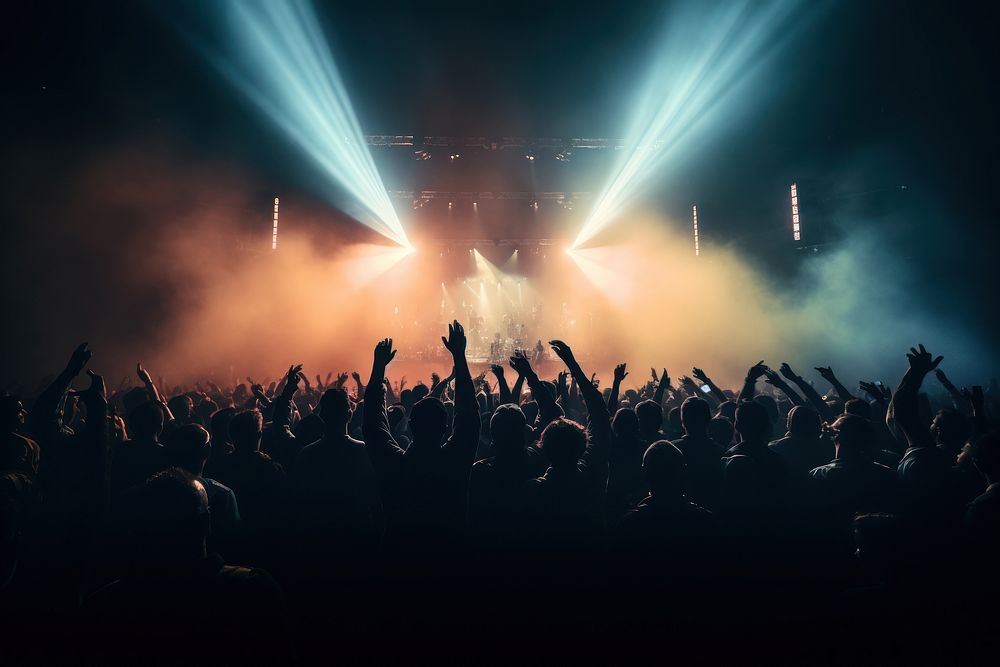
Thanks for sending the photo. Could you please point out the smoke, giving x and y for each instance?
(163, 258)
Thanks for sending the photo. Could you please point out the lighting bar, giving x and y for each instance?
(796, 225)
(694, 219)
(274, 229)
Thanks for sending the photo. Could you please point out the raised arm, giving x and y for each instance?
(44, 415)
(516, 391)
(548, 409)
(776, 381)
(750, 382)
(598, 417)
(282, 414)
(357, 381)
(438, 390)
(375, 423)
(661, 387)
(827, 373)
(505, 395)
(905, 405)
(809, 392)
(464, 438)
(620, 374)
(960, 401)
(713, 388)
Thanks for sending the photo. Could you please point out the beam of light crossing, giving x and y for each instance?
(281, 61)
(699, 80)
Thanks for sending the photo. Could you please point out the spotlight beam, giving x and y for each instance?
(698, 81)
(280, 59)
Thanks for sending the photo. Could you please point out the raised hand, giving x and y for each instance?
(975, 396)
(341, 379)
(563, 351)
(872, 390)
(497, 370)
(356, 376)
(620, 373)
(292, 378)
(664, 378)
(143, 374)
(77, 360)
(384, 353)
(922, 361)
(456, 340)
(519, 362)
(826, 373)
(700, 375)
(97, 388)
(758, 369)
(787, 371)
(652, 371)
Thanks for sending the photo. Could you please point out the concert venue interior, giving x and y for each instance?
(218, 190)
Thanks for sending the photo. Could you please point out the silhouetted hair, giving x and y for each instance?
(650, 415)
(695, 415)
(188, 447)
(752, 421)
(335, 407)
(428, 420)
(663, 466)
(721, 431)
(854, 436)
(564, 442)
(856, 406)
(245, 430)
(507, 428)
(146, 420)
(804, 422)
(219, 424)
(625, 423)
(986, 455)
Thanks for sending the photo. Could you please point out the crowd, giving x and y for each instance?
(470, 516)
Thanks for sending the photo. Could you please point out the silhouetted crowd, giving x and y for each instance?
(474, 520)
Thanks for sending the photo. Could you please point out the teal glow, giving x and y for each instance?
(700, 80)
(281, 61)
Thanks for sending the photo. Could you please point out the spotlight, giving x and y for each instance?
(796, 228)
(529, 156)
(564, 156)
(422, 155)
(454, 156)
(703, 80)
(277, 55)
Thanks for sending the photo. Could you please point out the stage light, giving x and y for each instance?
(279, 58)
(704, 75)
(529, 156)
(274, 228)
(422, 155)
(796, 226)
(694, 220)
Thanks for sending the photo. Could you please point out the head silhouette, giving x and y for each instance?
(950, 429)
(663, 467)
(219, 425)
(804, 422)
(169, 518)
(188, 448)
(625, 424)
(854, 439)
(145, 422)
(420, 391)
(720, 430)
(695, 415)
(335, 410)
(428, 421)
(182, 408)
(856, 406)
(752, 422)
(986, 456)
(650, 416)
(507, 430)
(245, 430)
(563, 443)
(12, 414)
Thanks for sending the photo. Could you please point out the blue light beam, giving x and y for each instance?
(699, 81)
(281, 61)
